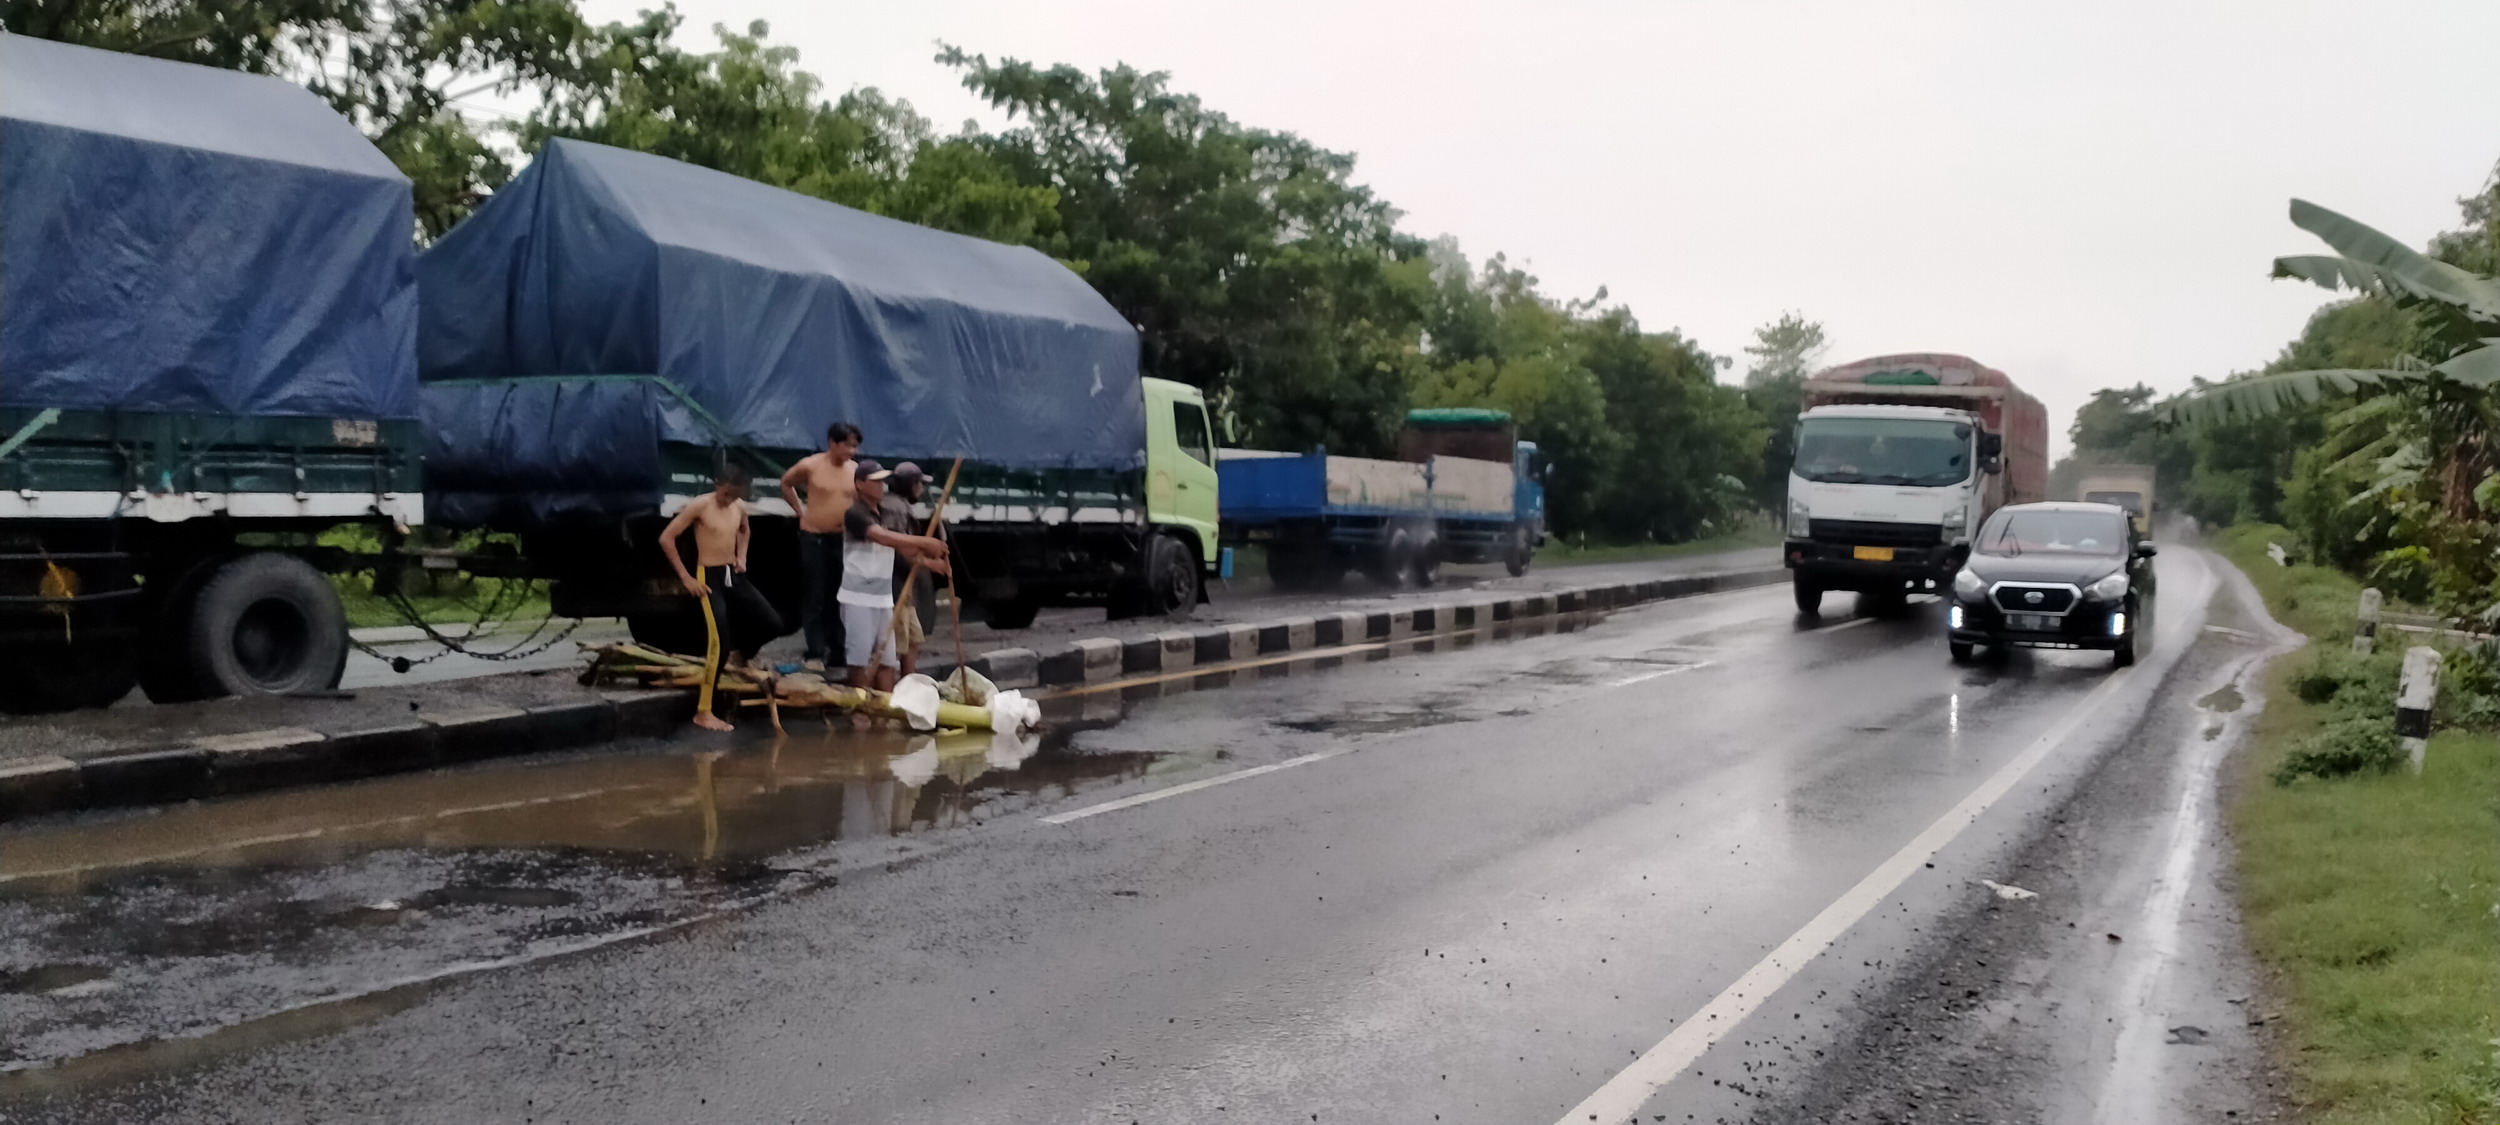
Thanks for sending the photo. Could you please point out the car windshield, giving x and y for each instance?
(2039, 532)
(1883, 451)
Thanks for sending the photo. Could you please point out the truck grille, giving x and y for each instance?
(1874, 533)
(2015, 597)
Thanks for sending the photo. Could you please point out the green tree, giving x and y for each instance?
(1251, 262)
(1786, 350)
(1784, 353)
(2408, 373)
(748, 110)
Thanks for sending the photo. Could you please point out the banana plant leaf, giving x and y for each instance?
(2262, 395)
(2375, 261)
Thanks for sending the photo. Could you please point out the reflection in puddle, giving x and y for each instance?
(216, 914)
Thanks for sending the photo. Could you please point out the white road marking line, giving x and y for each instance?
(1645, 677)
(1191, 787)
(1623, 1095)
(1852, 623)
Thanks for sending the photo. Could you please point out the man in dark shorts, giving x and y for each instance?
(826, 479)
(736, 619)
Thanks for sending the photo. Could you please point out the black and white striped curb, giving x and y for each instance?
(225, 765)
(1102, 659)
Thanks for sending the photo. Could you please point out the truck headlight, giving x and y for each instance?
(1800, 519)
(1953, 518)
(2109, 589)
(1967, 583)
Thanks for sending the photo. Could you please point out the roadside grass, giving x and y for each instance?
(1754, 533)
(439, 598)
(2316, 600)
(2370, 898)
(451, 607)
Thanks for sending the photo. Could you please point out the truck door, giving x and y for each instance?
(1180, 462)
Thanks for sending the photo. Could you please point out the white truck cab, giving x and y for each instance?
(1883, 499)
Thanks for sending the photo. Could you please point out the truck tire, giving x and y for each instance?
(53, 676)
(1011, 613)
(1388, 563)
(166, 674)
(1809, 596)
(1426, 567)
(266, 624)
(1522, 549)
(1171, 580)
(1291, 569)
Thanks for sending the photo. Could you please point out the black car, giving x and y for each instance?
(2054, 576)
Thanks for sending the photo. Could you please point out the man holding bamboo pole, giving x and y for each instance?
(917, 586)
(868, 561)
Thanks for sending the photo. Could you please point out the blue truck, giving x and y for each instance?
(1463, 489)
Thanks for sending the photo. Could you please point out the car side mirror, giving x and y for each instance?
(2146, 550)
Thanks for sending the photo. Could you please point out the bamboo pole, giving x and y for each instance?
(902, 598)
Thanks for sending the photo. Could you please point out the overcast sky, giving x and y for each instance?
(2081, 194)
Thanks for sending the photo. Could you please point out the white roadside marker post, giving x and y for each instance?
(2415, 694)
(2365, 631)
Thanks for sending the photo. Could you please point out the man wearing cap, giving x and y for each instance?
(867, 598)
(911, 629)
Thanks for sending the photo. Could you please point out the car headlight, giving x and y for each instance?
(1800, 519)
(1967, 583)
(2109, 589)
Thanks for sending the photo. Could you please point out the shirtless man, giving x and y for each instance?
(736, 618)
(827, 478)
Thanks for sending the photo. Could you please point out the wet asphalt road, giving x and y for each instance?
(1483, 883)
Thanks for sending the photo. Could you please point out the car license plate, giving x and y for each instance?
(2030, 622)
(1871, 554)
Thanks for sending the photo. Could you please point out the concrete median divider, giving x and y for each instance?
(286, 756)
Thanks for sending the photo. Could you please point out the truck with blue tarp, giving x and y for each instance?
(610, 323)
(208, 317)
(1463, 489)
(218, 341)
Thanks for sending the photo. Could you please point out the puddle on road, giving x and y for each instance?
(173, 924)
(133, 943)
(2224, 699)
(50, 978)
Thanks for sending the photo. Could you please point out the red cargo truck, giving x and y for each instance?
(1899, 458)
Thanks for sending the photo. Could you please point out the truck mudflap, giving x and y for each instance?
(1846, 566)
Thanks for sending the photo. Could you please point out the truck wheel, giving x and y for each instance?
(1389, 563)
(1522, 548)
(1290, 569)
(1171, 578)
(1960, 650)
(267, 624)
(1013, 613)
(1809, 596)
(1426, 568)
(166, 673)
(56, 675)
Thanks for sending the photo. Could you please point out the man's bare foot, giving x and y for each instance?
(710, 721)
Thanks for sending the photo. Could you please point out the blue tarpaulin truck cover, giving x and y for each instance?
(179, 238)
(775, 312)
